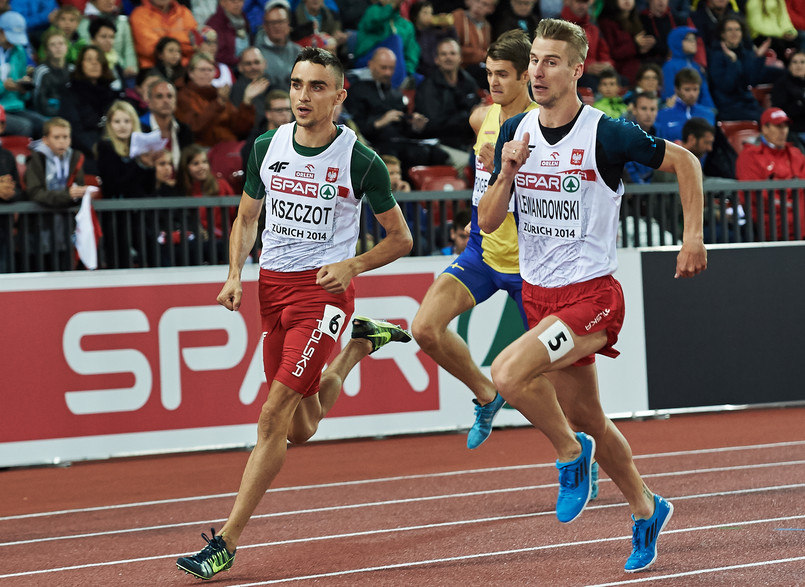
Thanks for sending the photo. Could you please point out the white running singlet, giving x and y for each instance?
(568, 216)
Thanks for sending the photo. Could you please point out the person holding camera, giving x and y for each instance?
(16, 78)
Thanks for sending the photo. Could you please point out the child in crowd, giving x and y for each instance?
(15, 78)
(175, 237)
(610, 103)
(66, 19)
(168, 60)
(52, 75)
(10, 192)
(54, 177)
(670, 120)
(102, 33)
(195, 178)
(682, 42)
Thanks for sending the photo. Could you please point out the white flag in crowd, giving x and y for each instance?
(85, 240)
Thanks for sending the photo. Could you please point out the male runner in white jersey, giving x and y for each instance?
(567, 229)
(489, 262)
(312, 175)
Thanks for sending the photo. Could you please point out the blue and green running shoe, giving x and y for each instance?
(377, 332)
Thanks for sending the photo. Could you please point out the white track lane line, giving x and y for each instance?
(436, 561)
(389, 480)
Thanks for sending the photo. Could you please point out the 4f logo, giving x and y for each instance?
(278, 166)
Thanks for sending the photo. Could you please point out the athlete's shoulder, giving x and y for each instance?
(477, 117)
(510, 126)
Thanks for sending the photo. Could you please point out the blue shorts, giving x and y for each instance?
(481, 281)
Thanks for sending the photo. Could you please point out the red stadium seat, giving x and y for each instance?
(762, 94)
(409, 98)
(446, 184)
(587, 95)
(225, 162)
(20, 148)
(739, 132)
(419, 173)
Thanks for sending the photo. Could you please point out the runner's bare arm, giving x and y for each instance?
(241, 241)
(494, 204)
(692, 258)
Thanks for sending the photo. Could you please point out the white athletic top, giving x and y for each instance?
(567, 215)
(312, 215)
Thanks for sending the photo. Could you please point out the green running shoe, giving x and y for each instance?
(212, 559)
(377, 332)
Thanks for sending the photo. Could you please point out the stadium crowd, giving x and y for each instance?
(83, 80)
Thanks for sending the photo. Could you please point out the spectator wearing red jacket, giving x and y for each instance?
(773, 158)
(598, 55)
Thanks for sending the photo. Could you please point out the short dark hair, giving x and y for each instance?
(608, 73)
(686, 75)
(513, 46)
(96, 24)
(646, 96)
(324, 58)
(698, 127)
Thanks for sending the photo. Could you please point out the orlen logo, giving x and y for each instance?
(538, 181)
(552, 162)
(286, 185)
(309, 174)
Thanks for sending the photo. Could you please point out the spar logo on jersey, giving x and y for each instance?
(327, 191)
(332, 174)
(308, 174)
(576, 156)
(552, 162)
(296, 187)
(539, 181)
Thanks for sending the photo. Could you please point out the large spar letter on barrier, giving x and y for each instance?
(210, 358)
(104, 401)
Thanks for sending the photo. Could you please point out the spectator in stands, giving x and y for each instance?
(706, 17)
(168, 60)
(276, 113)
(351, 11)
(682, 42)
(172, 236)
(459, 233)
(203, 9)
(658, 21)
(623, 32)
(86, 101)
(10, 192)
(17, 84)
(610, 102)
(382, 25)
(515, 14)
(769, 19)
(315, 25)
(123, 176)
(208, 111)
(789, 93)
(648, 80)
(698, 137)
(670, 120)
(52, 75)
(155, 19)
(380, 113)
(37, 14)
(251, 67)
(161, 97)
(66, 19)
(233, 31)
(428, 34)
(54, 177)
(205, 40)
(124, 42)
(735, 65)
(274, 42)
(474, 35)
(102, 33)
(194, 178)
(643, 112)
(774, 158)
(598, 56)
(136, 95)
(446, 100)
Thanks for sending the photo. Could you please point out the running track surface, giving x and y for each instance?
(424, 510)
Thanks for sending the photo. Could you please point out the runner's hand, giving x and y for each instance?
(231, 294)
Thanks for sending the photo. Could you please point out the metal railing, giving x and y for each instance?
(159, 232)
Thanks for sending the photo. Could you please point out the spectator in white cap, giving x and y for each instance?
(16, 81)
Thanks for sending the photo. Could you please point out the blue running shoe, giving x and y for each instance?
(594, 481)
(575, 481)
(484, 415)
(644, 536)
(212, 559)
